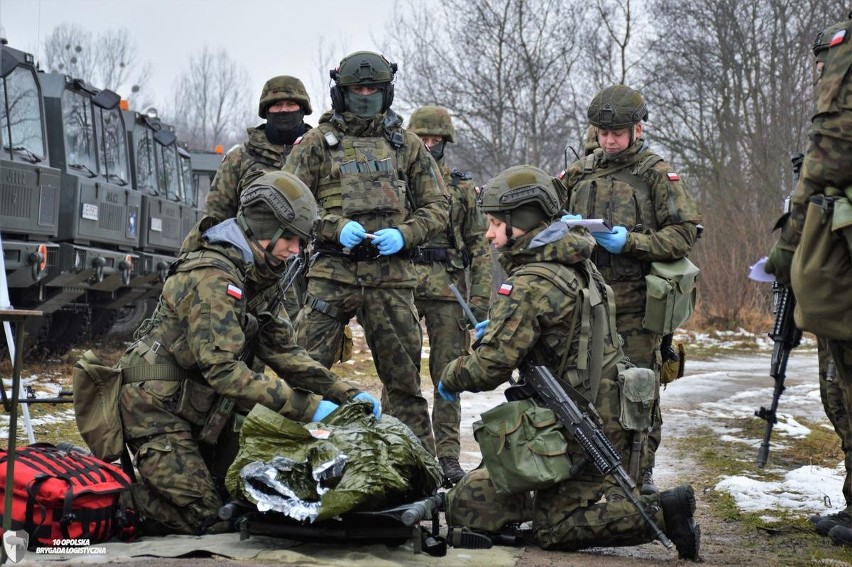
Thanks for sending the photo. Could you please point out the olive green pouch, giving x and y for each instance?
(96, 390)
(523, 447)
(638, 387)
(671, 294)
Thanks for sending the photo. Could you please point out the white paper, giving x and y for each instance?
(592, 225)
(758, 273)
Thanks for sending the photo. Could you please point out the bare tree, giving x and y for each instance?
(108, 60)
(209, 105)
(730, 94)
(328, 54)
(503, 69)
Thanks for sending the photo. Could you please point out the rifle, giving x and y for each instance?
(585, 428)
(786, 337)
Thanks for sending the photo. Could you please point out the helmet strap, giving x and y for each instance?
(510, 240)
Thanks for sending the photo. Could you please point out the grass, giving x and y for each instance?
(799, 544)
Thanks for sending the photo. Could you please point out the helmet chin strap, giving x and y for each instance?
(510, 240)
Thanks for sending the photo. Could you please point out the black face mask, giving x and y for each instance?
(283, 128)
(437, 150)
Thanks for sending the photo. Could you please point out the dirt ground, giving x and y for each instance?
(725, 541)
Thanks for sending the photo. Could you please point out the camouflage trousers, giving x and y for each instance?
(837, 399)
(446, 327)
(392, 331)
(642, 347)
(176, 489)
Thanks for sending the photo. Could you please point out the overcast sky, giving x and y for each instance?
(266, 37)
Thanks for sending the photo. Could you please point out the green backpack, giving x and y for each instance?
(671, 293)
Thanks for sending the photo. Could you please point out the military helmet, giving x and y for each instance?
(617, 106)
(524, 195)
(281, 88)
(432, 121)
(362, 68)
(825, 38)
(275, 205)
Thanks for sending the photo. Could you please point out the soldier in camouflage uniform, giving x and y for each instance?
(443, 261)
(380, 195)
(653, 216)
(188, 364)
(284, 103)
(827, 166)
(539, 316)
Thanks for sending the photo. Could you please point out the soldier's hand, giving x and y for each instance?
(389, 241)
(614, 241)
(779, 263)
(323, 410)
(377, 405)
(446, 395)
(569, 217)
(480, 328)
(352, 234)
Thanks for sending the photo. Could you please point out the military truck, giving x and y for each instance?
(94, 204)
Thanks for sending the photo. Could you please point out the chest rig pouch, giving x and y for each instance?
(370, 190)
(621, 196)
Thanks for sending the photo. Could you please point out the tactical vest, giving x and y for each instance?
(593, 320)
(364, 184)
(622, 196)
(450, 243)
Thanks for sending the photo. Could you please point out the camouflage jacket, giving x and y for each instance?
(640, 191)
(464, 241)
(535, 311)
(205, 318)
(242, 165)
(356, 173)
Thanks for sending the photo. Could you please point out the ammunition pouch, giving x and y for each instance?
(194, 402)
(821, 273)
(638, 388)
(671, 294)
(523, 447)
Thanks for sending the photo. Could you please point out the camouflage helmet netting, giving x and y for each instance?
(432, 121)
(281, 88)
(617, 106)
(289, 200)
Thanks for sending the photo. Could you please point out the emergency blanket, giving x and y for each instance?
(316, 471)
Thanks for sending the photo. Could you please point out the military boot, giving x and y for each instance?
(678, 507)
(648, 486)
(841, 535)
(452, 469)
(824, 524)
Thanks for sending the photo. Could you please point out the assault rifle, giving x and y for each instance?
(786, 337)
(585, 428)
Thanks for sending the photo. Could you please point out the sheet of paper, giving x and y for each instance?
(592, 225)
(758, 273)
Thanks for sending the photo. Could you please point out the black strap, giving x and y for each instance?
(327, 308)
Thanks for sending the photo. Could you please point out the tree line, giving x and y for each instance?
(728, 85)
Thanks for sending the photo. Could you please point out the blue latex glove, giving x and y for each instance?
(323, 409)
(377, 405)
(569, 217)
(445, 394)
(480, 328)
(388, 241)
(613, 241)
(352, 234)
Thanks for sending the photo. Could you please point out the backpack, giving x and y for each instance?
(64, 495)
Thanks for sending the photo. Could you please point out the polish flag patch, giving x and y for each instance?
(298, 141)
(562, 174)
(838, 38)
(505, 289)
(673, 176)
(234, 291)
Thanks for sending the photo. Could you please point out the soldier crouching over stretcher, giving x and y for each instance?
(187, 379)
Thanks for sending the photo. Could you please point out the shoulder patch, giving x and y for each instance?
(505, 289)
(298, 141)
(838, 38)
(234, 291)
(673, 176)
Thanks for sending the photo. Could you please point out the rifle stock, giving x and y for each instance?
(584, 428)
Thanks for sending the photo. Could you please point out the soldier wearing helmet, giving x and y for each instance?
(653, 218)
(812, 256)
(190, 366)
(555, 309)
(284, 103)
(380, 196)
(457, 253)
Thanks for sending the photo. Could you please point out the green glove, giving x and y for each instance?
(779, 263)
